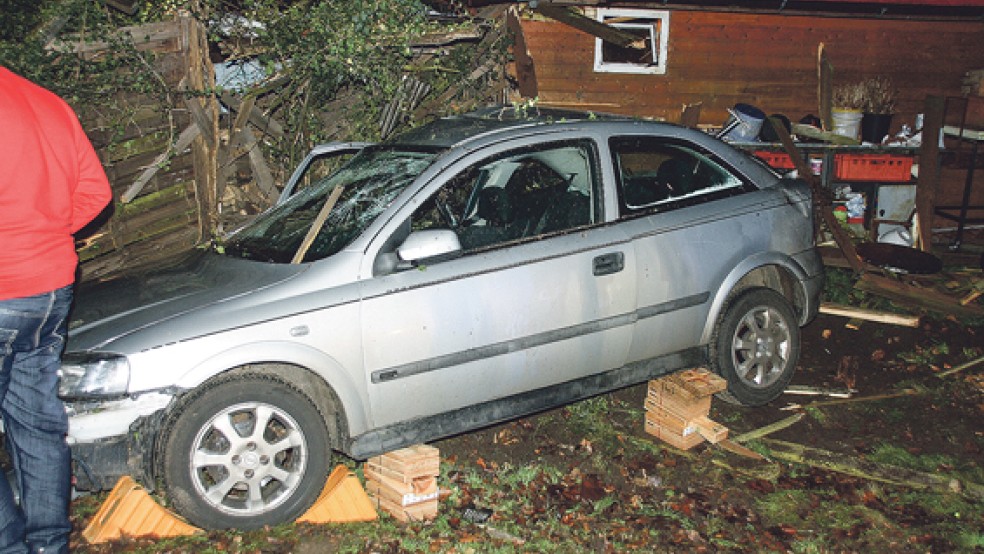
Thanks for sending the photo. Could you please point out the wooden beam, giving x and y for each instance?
(607, 33)
(525, 68)
(261, 171)
(185, 139)
(256, 117)
(903, 293)
(825, 76)
(870, 315)
(821, 198)
(201, 119)
(929, 170)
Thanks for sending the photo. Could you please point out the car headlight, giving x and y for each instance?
(93, 375)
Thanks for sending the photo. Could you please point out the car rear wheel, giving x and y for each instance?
(244, 452)
(756, 346)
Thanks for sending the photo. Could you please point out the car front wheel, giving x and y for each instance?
(756, 346)
(243, 452)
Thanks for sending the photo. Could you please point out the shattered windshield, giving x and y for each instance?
(369, 183)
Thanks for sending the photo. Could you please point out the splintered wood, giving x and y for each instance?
(677, 407)
(403, 482)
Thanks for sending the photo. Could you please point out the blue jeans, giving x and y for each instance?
(32, 337)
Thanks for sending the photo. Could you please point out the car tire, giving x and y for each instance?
(756, 346)
(221, 470)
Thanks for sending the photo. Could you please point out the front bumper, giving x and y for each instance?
(115, 438)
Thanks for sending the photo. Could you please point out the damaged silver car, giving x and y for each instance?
(477, 269)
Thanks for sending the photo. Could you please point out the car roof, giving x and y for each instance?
(449, 131)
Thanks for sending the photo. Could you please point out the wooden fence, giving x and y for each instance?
(159, 153)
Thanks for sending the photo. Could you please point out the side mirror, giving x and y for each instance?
(430, 246)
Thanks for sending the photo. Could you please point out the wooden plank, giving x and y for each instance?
(821, 198)
(411, 462)
(674, 439)
(525, 68)
(870, 315)
(607, 33)
(261, 171)
(262, 122)
(202, 119)
(825, 87)
(903, 293)
(691, 384)
(671, 421)
(929, 170)
(420, 512)
(421, 490)
(184, 141)
(712, 431)
(686, 409)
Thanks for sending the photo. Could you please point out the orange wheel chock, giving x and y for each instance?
(130, 511)
(343, 500)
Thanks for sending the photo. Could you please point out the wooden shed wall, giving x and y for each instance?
(769, 61)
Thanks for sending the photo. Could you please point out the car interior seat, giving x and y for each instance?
(677, 175)
(495, 206)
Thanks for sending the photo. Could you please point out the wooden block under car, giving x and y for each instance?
(674, 439)
(418, 491)
(418, 512)
(407, 464)
(677, 407)
(691, 384)
(670, 421)
(712, 431)
(403, 482)
(686, 409)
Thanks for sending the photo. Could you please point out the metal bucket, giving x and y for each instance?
(743, 125)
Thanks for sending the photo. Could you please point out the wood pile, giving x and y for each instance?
(403, 483)
(677, 407)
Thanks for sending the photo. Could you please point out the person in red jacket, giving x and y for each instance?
(51, 185)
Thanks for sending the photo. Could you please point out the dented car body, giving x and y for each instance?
(474, 270)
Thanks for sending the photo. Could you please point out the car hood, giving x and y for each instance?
(108, 310)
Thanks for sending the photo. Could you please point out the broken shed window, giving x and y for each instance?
(645, 55)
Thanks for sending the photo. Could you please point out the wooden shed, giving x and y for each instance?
(760, 53)
(652, 59)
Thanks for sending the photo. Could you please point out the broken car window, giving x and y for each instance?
(371, 180)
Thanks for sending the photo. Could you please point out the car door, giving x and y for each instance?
(692, 221)
(541, 294)
(321, 161)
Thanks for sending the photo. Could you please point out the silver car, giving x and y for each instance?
(477, 269)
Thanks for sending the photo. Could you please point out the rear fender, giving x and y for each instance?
(768, 269)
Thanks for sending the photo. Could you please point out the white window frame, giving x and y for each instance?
(658, 43)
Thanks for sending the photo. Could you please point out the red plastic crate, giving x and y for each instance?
(778, 160)
(872, 167)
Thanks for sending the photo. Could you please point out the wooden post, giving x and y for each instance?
(928, 182)
(200, 78)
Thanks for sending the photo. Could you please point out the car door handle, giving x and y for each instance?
(606, 264)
